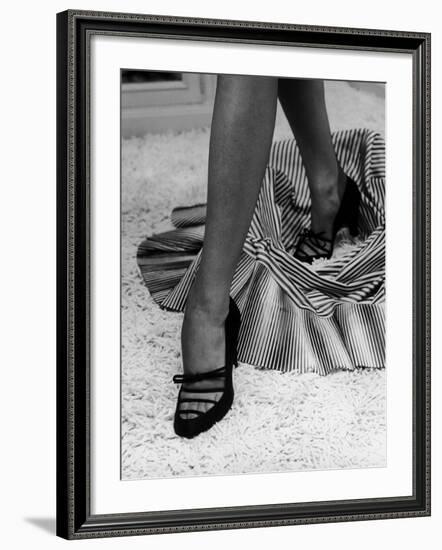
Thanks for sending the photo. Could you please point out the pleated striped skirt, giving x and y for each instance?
(295, 317)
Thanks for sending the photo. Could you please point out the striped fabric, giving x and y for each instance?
(295, 317)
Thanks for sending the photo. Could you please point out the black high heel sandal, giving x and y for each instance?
(347, 216)
(204, 420)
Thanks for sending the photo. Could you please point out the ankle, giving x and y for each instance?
(326, 180)
(212, 307)
(326, 191)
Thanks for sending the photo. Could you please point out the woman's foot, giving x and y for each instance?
(203, 349)
(326, 195)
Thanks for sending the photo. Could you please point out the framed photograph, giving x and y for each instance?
(243, 274)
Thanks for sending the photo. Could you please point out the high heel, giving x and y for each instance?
(347, 216)
(348, 212)
(204, 420)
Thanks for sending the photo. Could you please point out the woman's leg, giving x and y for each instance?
(303, 102)
(241, 136)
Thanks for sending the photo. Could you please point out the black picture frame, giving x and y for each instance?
(74, 518)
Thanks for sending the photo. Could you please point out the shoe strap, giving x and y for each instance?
(317, 236)
(316, 240)
(321, 246)
(183, 378)
(196, 400)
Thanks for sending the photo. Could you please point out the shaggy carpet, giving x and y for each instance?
(279, 421)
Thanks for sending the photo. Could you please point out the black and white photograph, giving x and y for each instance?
(252, 274)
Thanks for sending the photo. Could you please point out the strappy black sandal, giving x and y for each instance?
(189, 422)
(312, 246)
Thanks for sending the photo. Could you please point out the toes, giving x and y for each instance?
(200, 406)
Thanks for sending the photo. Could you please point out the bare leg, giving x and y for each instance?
(241, 136)
(303, 103)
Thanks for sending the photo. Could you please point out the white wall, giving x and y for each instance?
(27, 219)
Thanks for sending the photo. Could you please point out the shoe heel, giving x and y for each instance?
(353, 230)
(349, 210)
(235, 326)
(235, 350)
(352, 219)
(353, 213)
(233, 383)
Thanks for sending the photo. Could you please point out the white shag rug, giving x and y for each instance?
(279, 421)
